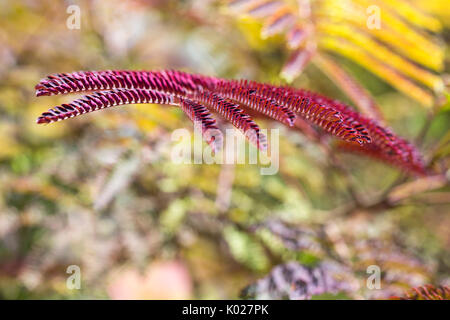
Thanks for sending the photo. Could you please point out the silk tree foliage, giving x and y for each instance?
(198, 95)
(394, 39)
(102, 185)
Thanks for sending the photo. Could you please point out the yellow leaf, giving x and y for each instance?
(383, 54)
(358, 55)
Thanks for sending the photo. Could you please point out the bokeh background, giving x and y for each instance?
(101, 192)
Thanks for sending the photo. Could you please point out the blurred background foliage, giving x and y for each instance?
(101, 192)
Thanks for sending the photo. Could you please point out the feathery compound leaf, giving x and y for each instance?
(313, 109)
(196, 93)
(426, 292)
(382, 138)
(104, 80)
(233, 113)
(383, 54)
(101, 100)
(379, 68)
(390, 42)
(390, 156)
(192, 82)
(359, 95)
(247, 97)
(199, 114)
